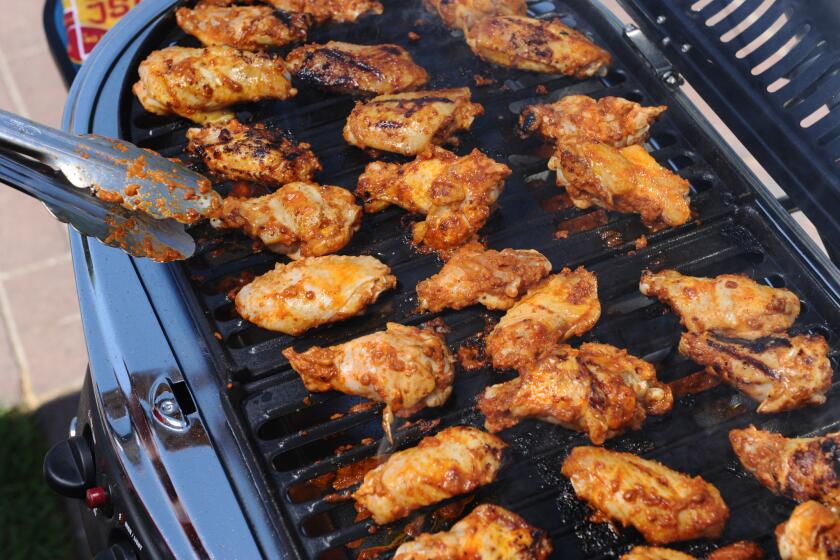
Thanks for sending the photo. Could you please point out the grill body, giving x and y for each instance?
(237, 473)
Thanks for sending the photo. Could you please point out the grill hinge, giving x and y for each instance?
(653, 56)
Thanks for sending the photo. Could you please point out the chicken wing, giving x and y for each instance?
(729, 304)
(409, 123)
(654, 553)
(463, 14)
(304, 294)
(495, 279)
(455, 461)
(598, 389)
(356, 69)
(665, 506)
(338, 11)
(455, 193)
(537, 45)
(249, 28)
(781, 373)
(200, 84)
(407, 368)
(742, 550)
(628, 180)
(811, 533)
(563, 306)
(798, 468)
(253, 153)
(299, 220)
(611, 120)
(489, 532)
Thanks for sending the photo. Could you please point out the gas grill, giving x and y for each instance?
(207, 444)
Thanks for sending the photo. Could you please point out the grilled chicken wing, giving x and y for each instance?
(200, 84)
(598, 389)
(252, 153)
(298, 220)
(455, 461)
(304, 294)
(495, 279)
(489, 532)
(742, 550)
(799, 468)
(655, 553)
(338, 11)
(811, 533)
(628, 180)
(563, 306)
(463, 14)
(409, 123)
(781, 373)
(249, 28)
(407, 368)
(455, 193)
(729, 305)
(663, 505)
(611, 120)
(537, 45)
(356, 69)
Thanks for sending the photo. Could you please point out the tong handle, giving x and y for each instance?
(43, 142)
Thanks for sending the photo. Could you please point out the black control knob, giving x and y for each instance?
(117, 551)
(69, 467)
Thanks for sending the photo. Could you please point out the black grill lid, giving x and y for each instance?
(771, 70)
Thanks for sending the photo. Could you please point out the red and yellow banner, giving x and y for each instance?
(88, 20)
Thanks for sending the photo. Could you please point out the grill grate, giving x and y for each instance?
(301, 437)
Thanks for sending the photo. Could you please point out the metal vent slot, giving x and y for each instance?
(748, 21)
(769, 33)
(724, 13)
(777, 56)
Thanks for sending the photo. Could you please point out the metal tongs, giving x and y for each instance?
(125, 196)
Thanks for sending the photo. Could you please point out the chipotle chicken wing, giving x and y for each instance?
(611, 120)
(655, 553)
(799, 468)
(407, 368)
(304, 294)
(811, 533)
(495, 279)
(298, 220)
(356, 69)
(249, 28)
(741, 550)
(562, 306)
(338, 11)
(780, 373)
(200, 84)
(729, 305)
(409, 123)
(456, 194)
(537, 45)
(665, 506)
(626, 180)
(598, 389)
(489, 532)
(454, 461)
(463, 14)
(242, 152)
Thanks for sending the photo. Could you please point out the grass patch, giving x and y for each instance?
(33, 522)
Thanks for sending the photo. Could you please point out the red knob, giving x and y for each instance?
(96, 497)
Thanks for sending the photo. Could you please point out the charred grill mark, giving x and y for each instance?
(759, 345)
(746, 358)
(347, 59)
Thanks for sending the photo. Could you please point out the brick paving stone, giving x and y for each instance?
(40, 85)
(20, 26)
(9, 381)
(28, 232)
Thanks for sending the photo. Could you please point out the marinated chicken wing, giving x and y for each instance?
(455, 193)
(407, 368)
(455, 461)
(665, 506)
(489, 532)
(253, 153)
(200, 84)
(299, 220)
(338, 11)
(611, 120)
(249, 28)
(563, 306)
(628, 180)
(463, 14)
(799, 468)
(598, 389)
(409, 123)
(304, 294)
(811, 533)
(742, 550)
(537, 45)
(356, 69)
(655, 553)
(780, 373)
(495, 279)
